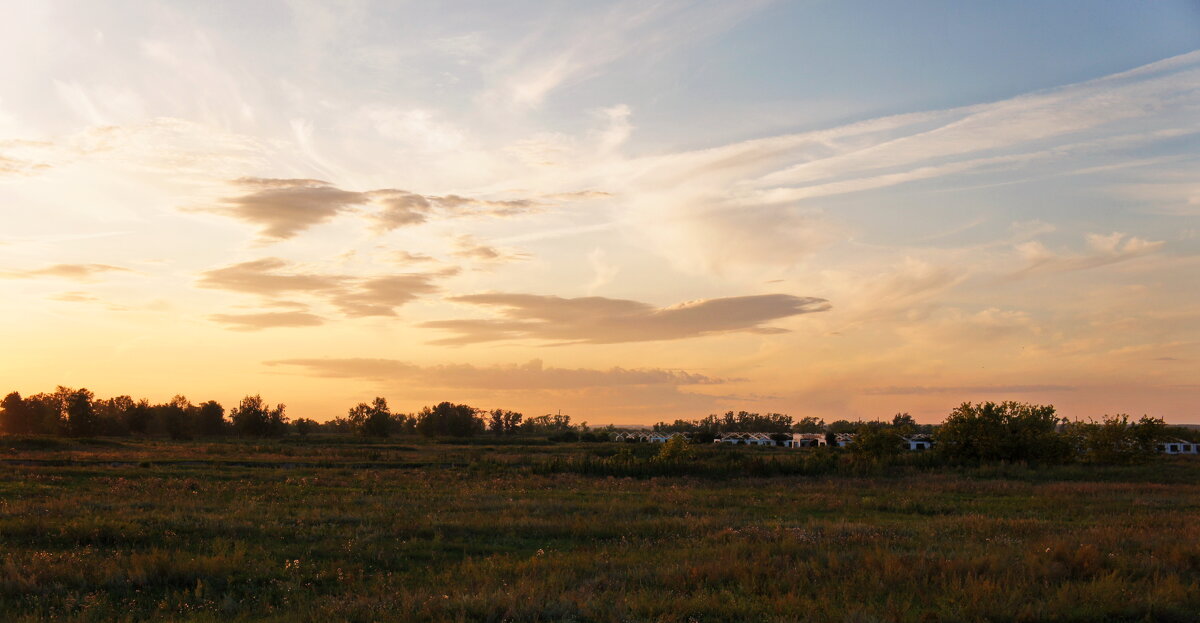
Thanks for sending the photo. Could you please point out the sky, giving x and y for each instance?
(626, 212)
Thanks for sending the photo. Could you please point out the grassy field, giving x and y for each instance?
(332, 530)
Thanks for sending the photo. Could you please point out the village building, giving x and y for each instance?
(1178, 446)
(807, 440)
(748, 439)
(918, 442)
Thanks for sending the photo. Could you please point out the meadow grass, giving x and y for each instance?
(302, 531)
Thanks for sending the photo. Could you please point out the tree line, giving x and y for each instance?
(707, 428)
(79, 413)
(971, 433)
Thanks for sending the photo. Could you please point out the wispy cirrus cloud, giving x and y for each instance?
(267, 320)
(468, 247)
(565, 49)
(599, 320)
(79, 272)
(531, 375)
(1103, 249)
(967, 389)
(267, 277)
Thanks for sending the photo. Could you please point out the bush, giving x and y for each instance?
(1009, 431)
(1115, 440)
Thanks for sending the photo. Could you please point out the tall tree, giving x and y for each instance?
(210, 419)
(449, 419)
(255, 418)
(16, 418)
(81, 418)
(379, 419)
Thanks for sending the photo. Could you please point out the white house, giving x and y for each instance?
(807, 440)
(1178, 446)
(917, 442)
(747, 439)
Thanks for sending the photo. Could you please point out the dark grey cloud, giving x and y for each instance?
(529, 376)
(967, 389)
(267, 320)
(80, 272)
(599, 320)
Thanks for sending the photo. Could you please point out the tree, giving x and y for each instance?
(502, 422)
(371, 420)
(379, 419)
(448, 419)
(254, 418)
(137, 417)
(210, 419)
(876, 440)
(304, 426)
(809, 424)
(674, 450)
(1115, 439)
(173, 417)
(111, 414)
(81, 418)
(1008, 431)
(904, 423)
(16, 416)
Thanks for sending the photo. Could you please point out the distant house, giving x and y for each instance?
(918, 442)
(747, 439)
(807, 440)
(1178, 446)
(665, 437)
(843, 439)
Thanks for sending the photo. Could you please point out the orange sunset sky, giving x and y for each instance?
(626, 211)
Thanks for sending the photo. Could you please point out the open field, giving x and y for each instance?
(331, 530)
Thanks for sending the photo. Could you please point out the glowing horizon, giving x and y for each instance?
(626, 213)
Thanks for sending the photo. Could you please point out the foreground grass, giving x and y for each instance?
(304, 532)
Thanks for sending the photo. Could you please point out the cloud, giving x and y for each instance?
(599, 320)
(406, 257)
(470, 248)
(379, 296)
(1103, 250)
(561, 50)
(264, 277)
(283, 208)
(75, 297)
(967, 389)
(399, 209)
(80, 272)
(529, 376)
(267, 320)
(354, 296)
(579, 195)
